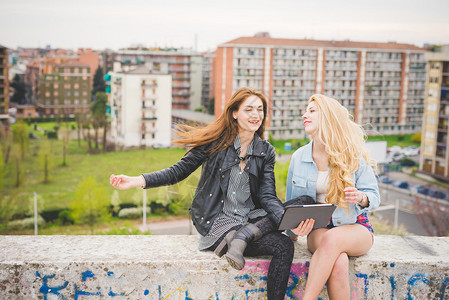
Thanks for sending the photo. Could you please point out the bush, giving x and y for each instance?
(26, 223)
(132, 213)
(416, 138)
(65, 217)
(127, 205)
(407, 162)
(50, 215)
(158, 208)
(52, 135)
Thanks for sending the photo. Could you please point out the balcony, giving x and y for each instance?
(149, 118)
(149, 97)
(149, 84)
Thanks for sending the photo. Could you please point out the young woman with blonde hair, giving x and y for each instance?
(235, 208)
(334, 168)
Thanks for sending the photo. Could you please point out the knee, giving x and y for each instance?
(341, 267)
(284, 247)
(329, 241)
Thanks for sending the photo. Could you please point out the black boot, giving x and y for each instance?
(246, 234)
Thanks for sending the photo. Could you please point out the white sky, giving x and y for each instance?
(113, 24)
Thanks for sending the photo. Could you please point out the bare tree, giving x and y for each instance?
(432, 214)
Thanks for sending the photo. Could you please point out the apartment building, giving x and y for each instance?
(64, 89)
(140, 101)
(434, 157)
(185, 67)
(4, 87)
(381, 84)
(207, 91)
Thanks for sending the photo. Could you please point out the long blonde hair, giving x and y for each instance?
(344, 142)
(224, 129)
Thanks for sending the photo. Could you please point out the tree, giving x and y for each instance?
(211, 106)
(21, 137)
(19, 87)
(91, 203)
(46, 159)
(432, 214)
(99, 84)
(6, 143)
(20, 174)
(99, 117)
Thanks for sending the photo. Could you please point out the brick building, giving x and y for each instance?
(381, 84)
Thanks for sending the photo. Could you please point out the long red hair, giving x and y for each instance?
(224, 129)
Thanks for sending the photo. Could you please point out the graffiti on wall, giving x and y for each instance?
(251, 282)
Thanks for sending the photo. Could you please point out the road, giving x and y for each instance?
(390, 197)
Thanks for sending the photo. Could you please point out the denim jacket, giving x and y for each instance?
(301, 180)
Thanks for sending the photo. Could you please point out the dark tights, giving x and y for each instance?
(276, 244)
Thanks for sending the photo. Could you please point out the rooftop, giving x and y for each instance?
(317, 43)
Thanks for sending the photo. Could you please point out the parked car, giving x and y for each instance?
(401, 184)
(412, 151)
(437, 194)
(385, 179)
(423, 190)
(398, 156)
(394, 149)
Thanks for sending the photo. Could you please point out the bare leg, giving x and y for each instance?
(327, 245)
(338, 282)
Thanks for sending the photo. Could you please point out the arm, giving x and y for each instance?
(123, 182)
(179, 171)
(268, 198)
(366, 191)
(288, 192)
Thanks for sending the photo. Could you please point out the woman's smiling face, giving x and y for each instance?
(311, 118)
(250, 114)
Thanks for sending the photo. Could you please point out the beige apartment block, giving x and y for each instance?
(140, 101)
(381, 84)
(434, 143)
(185, 67)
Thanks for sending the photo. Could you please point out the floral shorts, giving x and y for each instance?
(362, 219)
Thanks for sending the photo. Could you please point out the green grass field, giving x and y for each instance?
(64, 180)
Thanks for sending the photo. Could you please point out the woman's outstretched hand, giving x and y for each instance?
(123, 182)
(304, 228)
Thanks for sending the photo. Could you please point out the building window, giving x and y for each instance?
(76, 86)
(76, 70)
(47, 94)
(55, 93)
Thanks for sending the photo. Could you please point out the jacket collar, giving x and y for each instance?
(258, 146)
(307, 154)
(231, 157)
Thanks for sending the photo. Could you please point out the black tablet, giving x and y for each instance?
(295, 214)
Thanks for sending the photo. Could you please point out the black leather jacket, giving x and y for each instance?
(213, 184)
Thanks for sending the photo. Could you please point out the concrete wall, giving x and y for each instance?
(171, 267)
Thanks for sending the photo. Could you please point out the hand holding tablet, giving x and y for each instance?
(295, 214)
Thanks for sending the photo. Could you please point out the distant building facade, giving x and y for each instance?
(434, 157)
(4, 87)
(381, 84)
(185, 67)
(140, 106)
(64, 89)
(207, 91)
